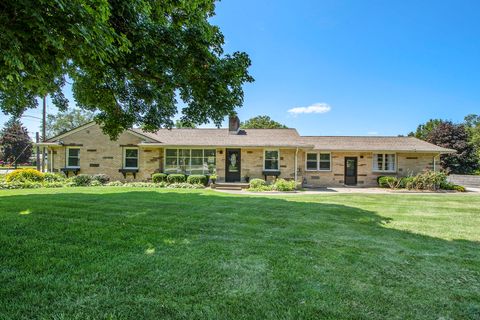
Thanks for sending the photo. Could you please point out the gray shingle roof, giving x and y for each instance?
(222, 137)
(359, 143)
(287, 138)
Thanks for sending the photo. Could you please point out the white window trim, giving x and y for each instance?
(125, 157)
(318, 161)
(67, 157)
(190, 157)
(278, 161)
(384, 154)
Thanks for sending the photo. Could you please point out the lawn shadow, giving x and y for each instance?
(210, 255)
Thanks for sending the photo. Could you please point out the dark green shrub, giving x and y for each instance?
(197, 179)
(405, 181)
(256, 183)
(81, 180)
(176, 178)
(102, 178)
(159, 177)
(450, 186)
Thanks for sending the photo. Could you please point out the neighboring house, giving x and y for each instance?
(235, 154)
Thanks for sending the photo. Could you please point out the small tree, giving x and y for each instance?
(67, 120)
(454, 136)
(472, 125)
(15, 143)
(262, 122)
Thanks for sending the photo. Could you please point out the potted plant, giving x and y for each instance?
(213, 178)
(247, 176)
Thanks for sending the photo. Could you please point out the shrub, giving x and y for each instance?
(81, 180)
(185, 186)
(23, 175)
(197, 179)
(387, 181)
(96, 183)
(159, 177)
(114, 184)
(284, 185)
(53, 184)
(101, 178)
(256, 183)
(176, 178)
(450, 186)
(429, 180)
(213, 177)
(261, 188)
(53, 177)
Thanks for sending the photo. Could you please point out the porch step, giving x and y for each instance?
(230, 185)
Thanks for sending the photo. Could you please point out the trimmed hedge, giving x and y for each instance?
(197, 179)
(257, 183)
(284, 185)
(176, 178)
(101, 178)
(81, 180)
(159, 177)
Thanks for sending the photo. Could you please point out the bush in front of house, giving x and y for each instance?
(284, 185)
(159, 177)
(49, 177)
(428, 180)
(114, 184)
(82, 180)
(256, 183)
(101, 178)
(22, 175)
(176, 178)
(197, 179)
(387, 181)
(185, 186)
(451, 186)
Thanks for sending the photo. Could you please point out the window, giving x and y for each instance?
(384, 162)
(312, 161)
(271, 158)
(73, 157)
(190, 161)
(130, 158)
(317, 161)
(324, 162)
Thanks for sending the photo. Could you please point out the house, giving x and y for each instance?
(236, 154)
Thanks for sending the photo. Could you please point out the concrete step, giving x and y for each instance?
(230, 185)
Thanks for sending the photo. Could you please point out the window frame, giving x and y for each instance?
(278, 159)
(318, 153)
(189, 167)
(125, 157)
(67, 158)
(384, 163)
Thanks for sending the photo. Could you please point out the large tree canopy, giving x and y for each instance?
(129, 60)
(423, 130)
(67, 120)
(454, 136)
(262, 122)
(15, 142)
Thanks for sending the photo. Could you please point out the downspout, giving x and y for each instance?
(296, 169)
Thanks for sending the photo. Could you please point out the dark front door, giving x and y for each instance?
(232, 165)
(350, 171)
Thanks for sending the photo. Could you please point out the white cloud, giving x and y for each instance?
(314, 108)
(372, 133)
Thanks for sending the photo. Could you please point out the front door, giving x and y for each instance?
(350, 171)
(232, 165)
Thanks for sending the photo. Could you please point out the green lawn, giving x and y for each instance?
(121, 253)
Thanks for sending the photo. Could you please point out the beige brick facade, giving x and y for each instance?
(98, 154)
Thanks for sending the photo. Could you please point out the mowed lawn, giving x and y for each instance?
(121, 253)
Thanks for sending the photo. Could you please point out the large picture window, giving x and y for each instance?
(384, 162)
(271, 160)
(190, 161)
(73, 157)
(318, 161)
(130, 158)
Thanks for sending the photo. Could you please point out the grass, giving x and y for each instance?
(120, 253)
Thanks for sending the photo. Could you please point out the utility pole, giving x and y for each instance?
(44, 130)
(37, 140)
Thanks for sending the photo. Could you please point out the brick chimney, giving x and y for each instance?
(233, 124)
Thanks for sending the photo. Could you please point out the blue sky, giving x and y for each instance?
(366, 67)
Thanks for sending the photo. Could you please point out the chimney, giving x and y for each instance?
(233, 124)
